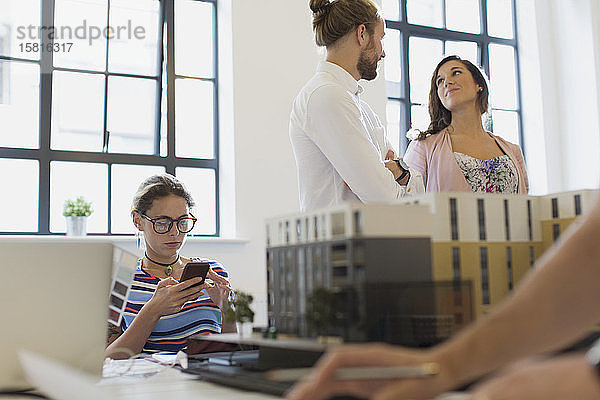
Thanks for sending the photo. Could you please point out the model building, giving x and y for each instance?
(412, 272)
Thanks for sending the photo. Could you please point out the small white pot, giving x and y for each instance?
(76, 226)
(243, 329)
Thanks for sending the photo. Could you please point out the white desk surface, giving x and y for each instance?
(147, 380)
(142, 379)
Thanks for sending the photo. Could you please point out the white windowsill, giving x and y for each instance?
(129, 238)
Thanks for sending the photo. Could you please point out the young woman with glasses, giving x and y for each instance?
(161, 312)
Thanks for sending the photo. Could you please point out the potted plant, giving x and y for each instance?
(76, 213)
(239, 310)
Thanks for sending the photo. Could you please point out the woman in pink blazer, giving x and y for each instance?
(455, 153)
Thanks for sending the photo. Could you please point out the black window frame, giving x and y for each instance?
(483, 40)
(555, 232)
(481, 219)
(577, 204)
(509, 268)
(485, 275)
(506, 220)
(453, 219)
(554, 202)
(45, 154)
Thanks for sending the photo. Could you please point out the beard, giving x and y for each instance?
(367, 62)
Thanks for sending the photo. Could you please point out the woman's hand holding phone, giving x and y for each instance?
(170, 295)
(219, 289)
(195, 269)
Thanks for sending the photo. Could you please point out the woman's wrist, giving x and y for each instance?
(449, 375)
(224, 305)
(148, 311)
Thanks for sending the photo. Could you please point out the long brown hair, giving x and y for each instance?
(440, 116)
(334, 19)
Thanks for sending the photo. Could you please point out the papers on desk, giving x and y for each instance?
(171, 359)
(142, 380)
(131, 369)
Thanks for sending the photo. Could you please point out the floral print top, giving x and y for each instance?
(496, 175)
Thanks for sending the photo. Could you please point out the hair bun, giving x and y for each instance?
(319, 6)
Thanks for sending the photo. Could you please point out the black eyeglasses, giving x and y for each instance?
(163, 225)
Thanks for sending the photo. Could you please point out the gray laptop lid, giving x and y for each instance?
(54, 300)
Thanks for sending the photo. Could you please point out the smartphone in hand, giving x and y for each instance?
(194, 269)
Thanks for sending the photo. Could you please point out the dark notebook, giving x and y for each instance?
(241, 370)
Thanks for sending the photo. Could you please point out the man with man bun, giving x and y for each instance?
(339, 143)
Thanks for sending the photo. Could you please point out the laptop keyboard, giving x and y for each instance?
(237, 377)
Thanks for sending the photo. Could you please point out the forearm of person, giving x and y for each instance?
(415, 183)
(135, 336)
(555, 305)
(229, 327)
(416, 159)
(565, 377)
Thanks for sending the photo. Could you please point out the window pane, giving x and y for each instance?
(392, 115)
(391, 9)
(393, 70)
(134, 50)
(465, 50)
(83, 23)
(77, 111)
(164, 101)
(125, 180)
(463, 15)
(419, 116)
(502, 77)
(19, 210)
(16, 18)
(500, 18)
(424, 54)
(194, 38)
(163, 116)
(201, 183)
(131, 115)
(19, 104)
(69, 180)
(193, 118)
(425, 12)
(506, 125)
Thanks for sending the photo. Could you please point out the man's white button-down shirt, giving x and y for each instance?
(340, 144)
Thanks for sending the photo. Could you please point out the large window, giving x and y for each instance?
(96, 95)
(420, 32)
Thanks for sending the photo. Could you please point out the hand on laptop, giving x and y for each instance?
(170, 295)
(322, 384)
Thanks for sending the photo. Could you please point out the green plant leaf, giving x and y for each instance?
(77, 208)
(239, 308)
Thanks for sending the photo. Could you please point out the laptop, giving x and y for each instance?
(246, 366)
(54, 299)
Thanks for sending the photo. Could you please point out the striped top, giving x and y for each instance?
(201, 316)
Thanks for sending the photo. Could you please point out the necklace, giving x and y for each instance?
(169, 266)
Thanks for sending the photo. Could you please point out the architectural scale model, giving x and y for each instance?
(412, 272)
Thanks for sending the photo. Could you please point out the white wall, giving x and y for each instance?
(560, 93)
(595, 14)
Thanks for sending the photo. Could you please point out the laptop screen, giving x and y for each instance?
(54, 298)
